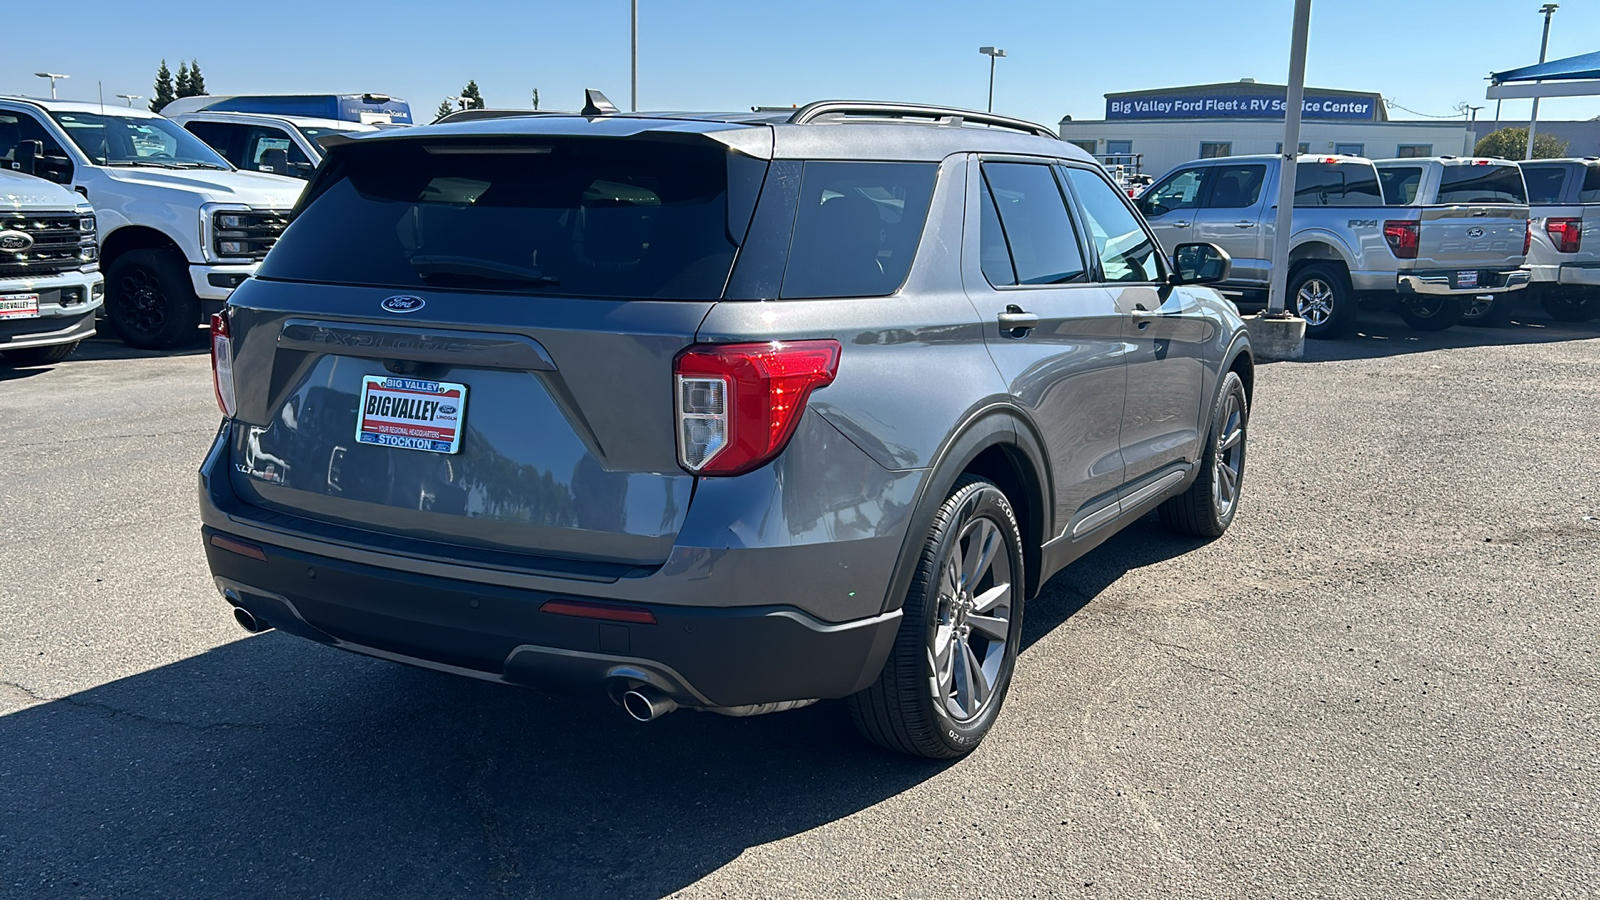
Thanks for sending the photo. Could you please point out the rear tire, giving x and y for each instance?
(1320, 293)
(38, 356)
(1491, 313)
(1207, 507)
(150, 301)
(960, 631)
(1432, 312)
(1567, 304)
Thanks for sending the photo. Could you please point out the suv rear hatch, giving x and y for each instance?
(469, 341)
(1478, 218)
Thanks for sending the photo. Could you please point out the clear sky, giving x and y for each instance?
(1427, 55)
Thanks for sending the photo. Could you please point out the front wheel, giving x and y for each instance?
(1487, 311)
(1320, 293)
(1566, 304)
(960, 631)
(150, 301)
(1207, 507)
(1431, 312)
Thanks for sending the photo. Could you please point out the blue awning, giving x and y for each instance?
(1570, 69)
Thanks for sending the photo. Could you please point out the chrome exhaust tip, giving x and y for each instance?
(249, 622)
(645, 703)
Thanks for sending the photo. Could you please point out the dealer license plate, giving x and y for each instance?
(1467, 278)
(411, 413)
(19, 306)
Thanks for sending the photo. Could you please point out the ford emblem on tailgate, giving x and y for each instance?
(15, 241)
(1474, 232)
(403, 304)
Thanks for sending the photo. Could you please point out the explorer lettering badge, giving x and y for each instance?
(403, 304)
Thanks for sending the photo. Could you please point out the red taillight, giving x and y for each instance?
(1402, 238)
(738, 404)
(1566, 234)
(222, 363)
(1527, 236)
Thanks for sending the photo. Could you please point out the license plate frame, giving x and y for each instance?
(1467, 280)
(411, 413)
(19, 306)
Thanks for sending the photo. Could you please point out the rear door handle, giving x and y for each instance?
(1243, 224)
(1015, 322)
(1180, 224)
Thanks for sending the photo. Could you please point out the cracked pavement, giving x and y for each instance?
(1383, 682)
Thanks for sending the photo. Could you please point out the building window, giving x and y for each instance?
(1304, 147)
(1086, 146)
(1350, 149)
(1413, 151)
(1214, 149)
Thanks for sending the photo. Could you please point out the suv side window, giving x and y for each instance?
(1039, 232)
(857, 228)
(1236, 187)
(52, 164)
(1180, 190)
(1127, 252)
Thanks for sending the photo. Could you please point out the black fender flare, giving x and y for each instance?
(995, 425)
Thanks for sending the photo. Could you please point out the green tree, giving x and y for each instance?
(185, 86)
(164, 94)
(471, 90)
(197, 82)
(1512, 143)
(445, 109)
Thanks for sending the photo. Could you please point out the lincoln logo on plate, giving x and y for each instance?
(15, 240)
(403, 304)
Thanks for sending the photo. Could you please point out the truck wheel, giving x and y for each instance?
(1206, 509)
(150, 302)
(38, 356)
(1565, 304)
(1320, 293)
(1487, 311)
(1431, 312)
(960, 632)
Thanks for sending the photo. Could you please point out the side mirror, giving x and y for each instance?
(276, 161)
(26, 157)
(1200, 264)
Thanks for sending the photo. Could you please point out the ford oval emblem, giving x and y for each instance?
(403, 304)
(1474, 232)
(15, 241)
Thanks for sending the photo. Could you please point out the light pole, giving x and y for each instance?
(1289, 168)
(130, 98)
(1533, 120)
(52, 76)
(633, 96)
(1466, 149)
(993, 53)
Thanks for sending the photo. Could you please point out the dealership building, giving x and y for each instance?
(1153, 131)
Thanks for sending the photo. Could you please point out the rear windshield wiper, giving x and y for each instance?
(429, 266)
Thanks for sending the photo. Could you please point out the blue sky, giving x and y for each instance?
(1427, 55)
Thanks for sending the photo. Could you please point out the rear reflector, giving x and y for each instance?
(234, 545)
(584, 609)
(1566, 234)
(1403, 238)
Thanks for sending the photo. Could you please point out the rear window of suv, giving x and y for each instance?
(577, 217)
(1470, 183)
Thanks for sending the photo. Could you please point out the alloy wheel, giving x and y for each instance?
(1477, 307)
(141, 304)
(1229, 457)
(1314, 301)
(973, 622)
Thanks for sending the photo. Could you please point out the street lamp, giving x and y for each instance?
(1471, 126)
(130, 98)
(993, 53)
(52, 76)
(1533, 120)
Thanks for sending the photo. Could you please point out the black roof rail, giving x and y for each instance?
(941, 115)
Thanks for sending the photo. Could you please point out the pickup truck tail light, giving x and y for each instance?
(1566, 234)
(1403, 238)
(1527, 237)
(222, 363)
(739, 404)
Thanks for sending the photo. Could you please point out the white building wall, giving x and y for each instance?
(1167, 143)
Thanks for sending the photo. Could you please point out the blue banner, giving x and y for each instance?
(1236, 106)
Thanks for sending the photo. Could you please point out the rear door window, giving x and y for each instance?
(857, 227)
(1400, 184)
(1033, 213)
(1544, 183)
(1236, 187)
(577, 217)
(1481, 184)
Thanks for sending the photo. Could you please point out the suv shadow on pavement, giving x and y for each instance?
(275, 766)
(1383, 334)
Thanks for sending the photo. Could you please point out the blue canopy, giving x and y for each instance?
(1572, 68)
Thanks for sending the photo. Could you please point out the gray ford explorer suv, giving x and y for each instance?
(727, 412)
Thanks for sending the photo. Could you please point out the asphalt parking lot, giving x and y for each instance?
(1383, 682)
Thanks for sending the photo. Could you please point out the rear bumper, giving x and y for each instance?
(1443, 281)
(1585, 274)
(702, 657)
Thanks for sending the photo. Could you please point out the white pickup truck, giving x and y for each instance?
(1346, 247)
(179, 226)
(50, 283)
(1564, 206)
